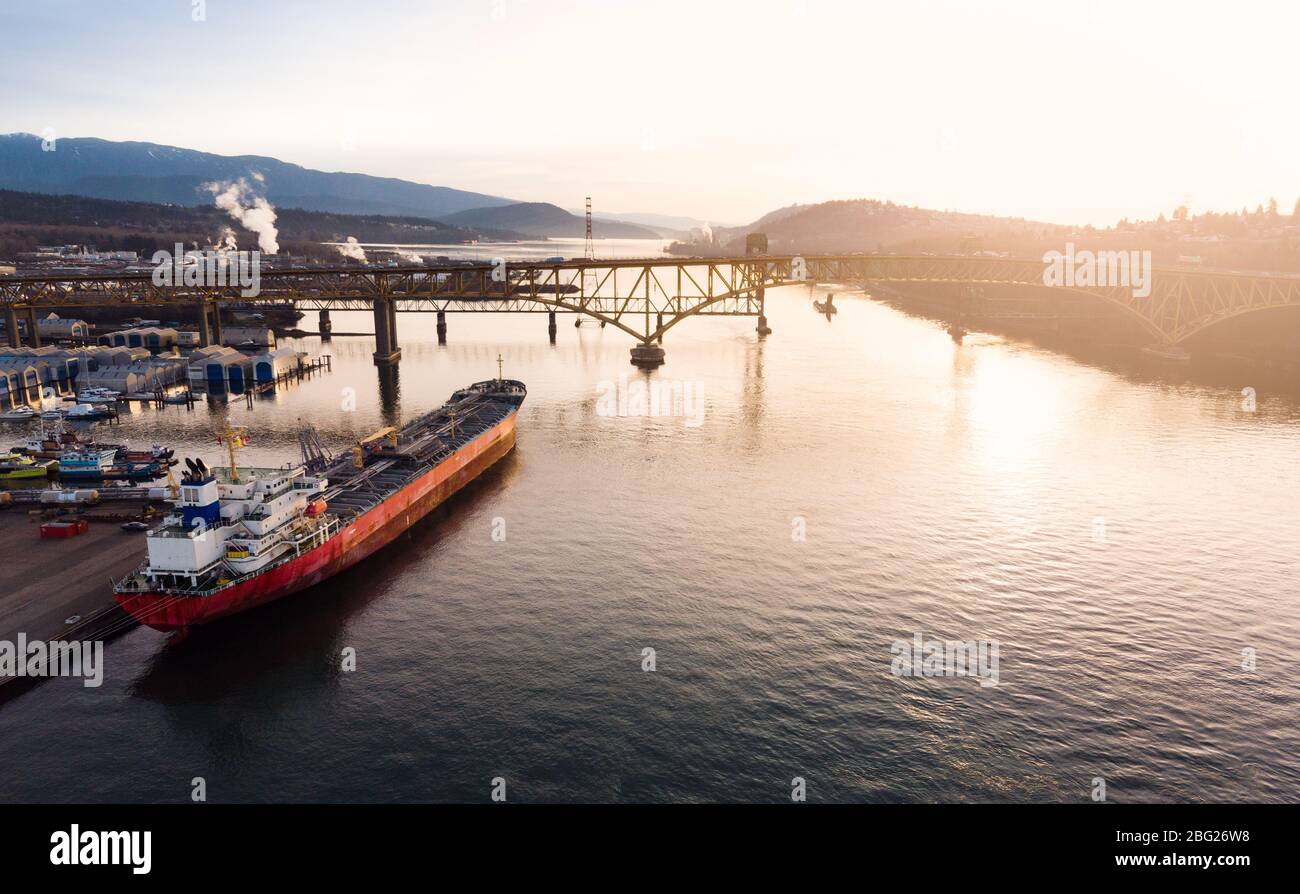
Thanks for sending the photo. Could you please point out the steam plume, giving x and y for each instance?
(254, 212)
(352, 249)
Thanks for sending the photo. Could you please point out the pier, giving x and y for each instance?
(59, 589)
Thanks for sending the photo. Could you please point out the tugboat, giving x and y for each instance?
(242, 537)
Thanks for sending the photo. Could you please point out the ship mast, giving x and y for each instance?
(500, 370)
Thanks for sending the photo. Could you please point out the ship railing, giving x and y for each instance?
(179, 531)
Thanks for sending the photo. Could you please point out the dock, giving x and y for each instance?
(61, 589)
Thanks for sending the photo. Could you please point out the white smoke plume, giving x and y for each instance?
(352, 249)
(226, 241)
(707, 232)
(254, 212)
(410, 257)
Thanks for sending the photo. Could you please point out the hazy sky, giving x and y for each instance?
(1072, 112)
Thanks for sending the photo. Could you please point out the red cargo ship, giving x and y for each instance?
(240, 538)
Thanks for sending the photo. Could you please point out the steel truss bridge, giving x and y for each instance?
(643, 297)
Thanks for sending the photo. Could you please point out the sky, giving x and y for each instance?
(1070, 112)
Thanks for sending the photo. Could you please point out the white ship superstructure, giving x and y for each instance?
(227, 526)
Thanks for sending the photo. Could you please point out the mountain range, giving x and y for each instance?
(150, 172)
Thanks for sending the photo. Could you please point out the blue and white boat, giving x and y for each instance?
(88, 462)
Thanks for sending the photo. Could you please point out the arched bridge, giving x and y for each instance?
(643, 297)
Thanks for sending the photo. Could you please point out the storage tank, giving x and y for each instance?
(69, 496)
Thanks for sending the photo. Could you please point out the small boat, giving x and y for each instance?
(16, 467)
(828, 307)
(85, 412)
(97, 396)
(157, 453)
(51, 415)
(18, 414)
(50, 442)
(133, 526)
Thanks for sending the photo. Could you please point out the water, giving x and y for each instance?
(1122, 534)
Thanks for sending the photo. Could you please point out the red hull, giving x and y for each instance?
(368, 533)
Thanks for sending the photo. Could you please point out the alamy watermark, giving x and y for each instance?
(37, 658)
(1086, 269)
(660, 397)
(209, 268)
(922, 657)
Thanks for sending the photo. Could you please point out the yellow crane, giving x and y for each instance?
(359, 451)
(233, 439)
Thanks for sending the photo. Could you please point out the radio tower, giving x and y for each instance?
(591, 244)
(589, 282)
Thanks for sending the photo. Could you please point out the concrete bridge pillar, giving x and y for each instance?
(762, 328)
(659, 327)
(386, 350)
(325, 326)
(216, 322)
(33, 330)
(647, 355)
(205, 334)
(11, 326)
(550, 326)
(442, 327)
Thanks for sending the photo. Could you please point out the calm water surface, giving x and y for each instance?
(1123, 535)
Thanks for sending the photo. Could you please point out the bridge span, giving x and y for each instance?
(642, 297)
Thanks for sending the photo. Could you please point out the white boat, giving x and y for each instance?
(18, 414)
(84, 411)
(52, 414)
(97, 396)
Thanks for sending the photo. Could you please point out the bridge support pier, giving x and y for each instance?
(762, 328)
(11, 326)
(442, 327)
(216, 323)
(647, 356)
(205, 334)
(386, 350)
(550, 326)
(660, 328)
(326, 326)
(33, 329)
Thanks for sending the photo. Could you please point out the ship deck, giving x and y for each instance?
(422, 444)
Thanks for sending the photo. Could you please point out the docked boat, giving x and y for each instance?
(87, 412)
(15, 466)
(97, 396)
(18, 414)
(242, 537)
(155, 454)
(86, 462)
